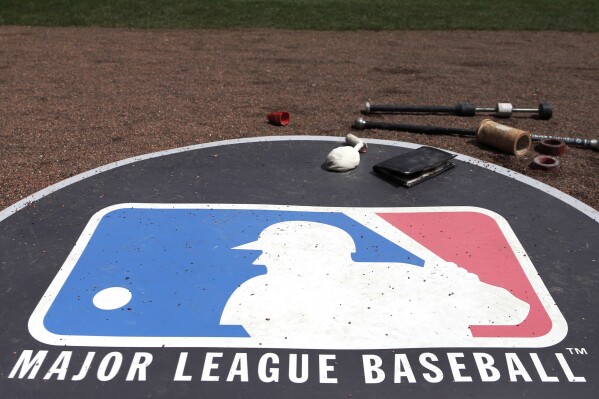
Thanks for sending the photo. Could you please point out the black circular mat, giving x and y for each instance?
(246, 269)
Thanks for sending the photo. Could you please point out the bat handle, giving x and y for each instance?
(361, 124)
(459, 109)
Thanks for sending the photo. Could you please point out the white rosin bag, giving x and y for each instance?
(345, 158)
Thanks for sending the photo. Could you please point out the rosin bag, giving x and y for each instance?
(415, 166)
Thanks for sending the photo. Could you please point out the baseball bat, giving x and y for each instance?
(361, 124)
(585, 143)
(544, 110)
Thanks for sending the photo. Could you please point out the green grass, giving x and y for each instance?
(561, 15)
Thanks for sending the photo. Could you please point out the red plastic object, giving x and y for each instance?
(280, 118)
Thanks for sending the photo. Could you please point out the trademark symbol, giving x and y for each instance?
(577, 351)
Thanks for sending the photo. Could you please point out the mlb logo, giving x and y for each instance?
(297, 277)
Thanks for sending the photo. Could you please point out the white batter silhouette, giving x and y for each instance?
(313, 292)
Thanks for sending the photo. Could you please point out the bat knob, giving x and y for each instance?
(366, 108)
(359, 124)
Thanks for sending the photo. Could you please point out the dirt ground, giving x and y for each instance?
(74, 99)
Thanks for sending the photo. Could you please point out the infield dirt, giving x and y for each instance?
(73, 99)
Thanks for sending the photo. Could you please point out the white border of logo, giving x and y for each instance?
(363, 215)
